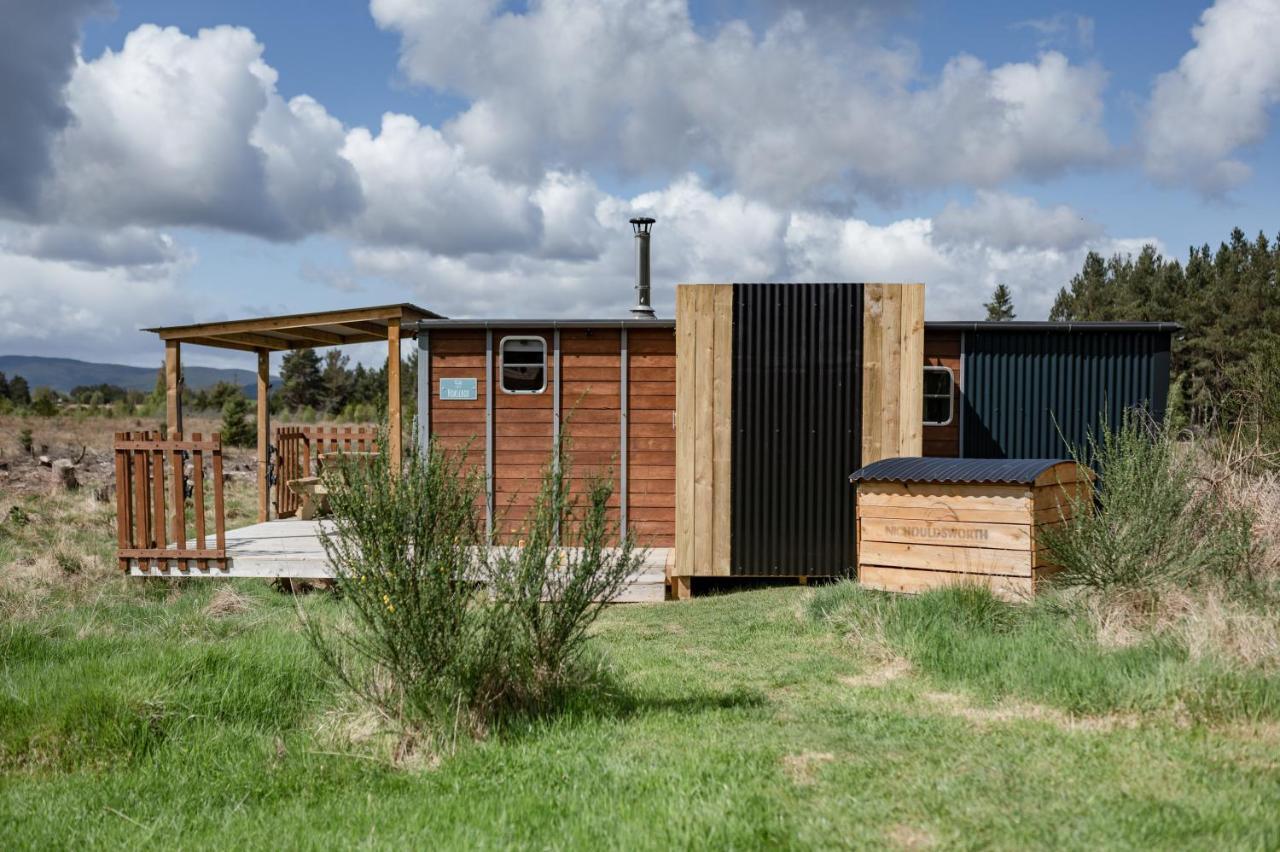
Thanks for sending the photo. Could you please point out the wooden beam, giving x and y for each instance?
(327, 338)
(213, 329)
(173, 387)
(377, 329)
(257, 341)
(221, 343)
(264, 432)
(393, 397)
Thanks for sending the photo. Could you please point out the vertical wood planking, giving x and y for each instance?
(264, 432)
(704, 364)
(686, 397)
(911, 362)
(173, 386)
(394, 431)
(704, 425)
(124, 522)
(158, 525)
(142, 533)
(892, 371)
(178, 500)
(197, 497)
(219, 514)
(872, 373)
(722, 427)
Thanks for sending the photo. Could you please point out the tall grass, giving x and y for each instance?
(1150, 518)
(440, 628)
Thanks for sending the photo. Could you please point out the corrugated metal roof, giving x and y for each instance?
(1018, 471)
(1011, 326)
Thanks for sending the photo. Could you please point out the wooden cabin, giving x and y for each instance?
(730, 430)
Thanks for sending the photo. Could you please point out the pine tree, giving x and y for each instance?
(19, 392)
(335, 382)
(300, 377)
(1000, 308)
(236, 429)
(4, 387)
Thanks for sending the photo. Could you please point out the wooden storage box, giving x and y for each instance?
(930, 522)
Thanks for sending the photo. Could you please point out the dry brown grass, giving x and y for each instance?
(803, 768)
(227, 600)
(1010, 711)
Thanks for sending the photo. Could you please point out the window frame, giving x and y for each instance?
(951, 395)
(502, 362)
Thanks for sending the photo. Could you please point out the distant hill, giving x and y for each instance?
(63, 374)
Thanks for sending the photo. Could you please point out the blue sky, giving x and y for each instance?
(240, 164)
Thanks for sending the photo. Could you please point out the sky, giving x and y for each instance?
(178, 161)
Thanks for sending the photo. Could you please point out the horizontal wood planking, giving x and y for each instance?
(651, 361)
(975, 560)
(912, 581)
(946, 496)
(966, 535)
(945, 513)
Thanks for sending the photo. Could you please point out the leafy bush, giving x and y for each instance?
(441, 630)
(1149, 518)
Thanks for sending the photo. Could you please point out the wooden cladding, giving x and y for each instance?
(514, 435)
(298, 451)
(152, 508)
(704, 426)
(918, 536)
(892, 355)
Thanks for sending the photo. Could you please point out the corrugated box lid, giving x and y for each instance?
(1018, 471)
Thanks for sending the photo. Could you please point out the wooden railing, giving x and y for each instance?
(298, 451)
(148, 531)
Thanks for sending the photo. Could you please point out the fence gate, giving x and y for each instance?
(299, 448)
(162, 521)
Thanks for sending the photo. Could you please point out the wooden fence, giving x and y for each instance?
(156, 535)
(298, 451)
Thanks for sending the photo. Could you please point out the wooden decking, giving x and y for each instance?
(291, 548)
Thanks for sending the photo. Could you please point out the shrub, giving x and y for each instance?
(236, 429)
(26, 441)
(1149, 519)
(437, 628)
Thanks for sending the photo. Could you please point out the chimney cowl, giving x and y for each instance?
(642, 225)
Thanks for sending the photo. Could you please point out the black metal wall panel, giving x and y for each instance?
(797, 428)
(1035, 394)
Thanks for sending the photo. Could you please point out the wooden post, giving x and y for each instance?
(264, 433)
(393, 394)
(173, 386)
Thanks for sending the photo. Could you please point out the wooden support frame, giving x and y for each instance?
(395, 433)
(173, 387)
(264, 434)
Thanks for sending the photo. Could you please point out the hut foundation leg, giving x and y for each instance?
(682, 588)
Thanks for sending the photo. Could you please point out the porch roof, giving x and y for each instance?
(299, 331)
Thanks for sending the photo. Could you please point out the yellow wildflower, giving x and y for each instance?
(386, 599)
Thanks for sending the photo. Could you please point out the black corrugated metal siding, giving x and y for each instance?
(797, 429)
(1035, 395)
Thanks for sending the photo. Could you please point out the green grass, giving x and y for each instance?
(136, 718)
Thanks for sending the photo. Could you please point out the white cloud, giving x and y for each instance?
(705, 236)
(58, 308)
(1007, 221)
(182, 130)
(421, 191)
(1217, 99)
(634, 87)
(143, 250)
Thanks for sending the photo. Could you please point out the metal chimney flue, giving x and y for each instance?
(644, 308)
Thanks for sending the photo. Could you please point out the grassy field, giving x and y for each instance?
(195, 715)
